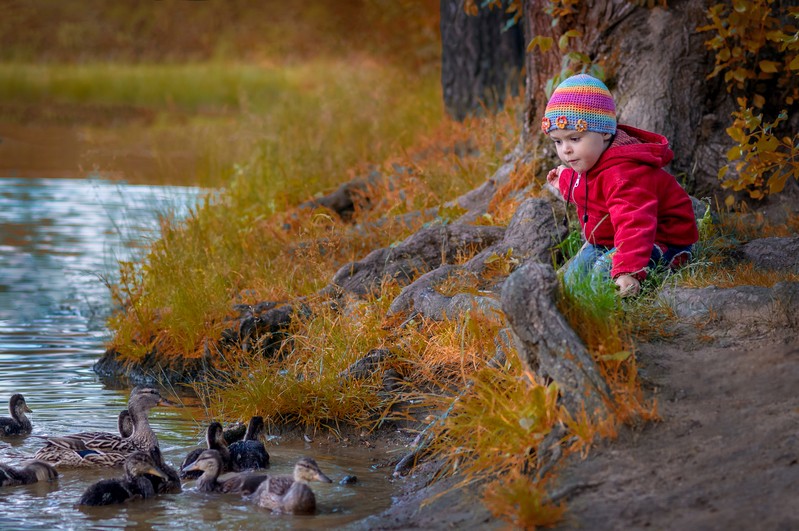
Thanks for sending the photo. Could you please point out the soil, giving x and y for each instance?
(724, 455)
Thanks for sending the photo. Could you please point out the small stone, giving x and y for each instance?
(348, 480)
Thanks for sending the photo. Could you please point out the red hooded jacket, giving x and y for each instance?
(631, 202)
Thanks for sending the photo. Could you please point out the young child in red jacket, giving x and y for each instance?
(634, 215)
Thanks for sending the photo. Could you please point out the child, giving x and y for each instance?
(632, 212)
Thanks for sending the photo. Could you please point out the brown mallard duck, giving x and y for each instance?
(133, 485)
(30, 472)
(291, 494)
(214, 440)
(102, 449)
(209, 464)
(250, 453)
(18, 423)
(172, 482)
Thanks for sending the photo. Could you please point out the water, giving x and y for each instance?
(58, 239)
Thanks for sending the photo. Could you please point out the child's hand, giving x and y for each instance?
(553, 178)
(628, 285)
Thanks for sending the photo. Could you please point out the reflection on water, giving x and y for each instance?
(57, 238)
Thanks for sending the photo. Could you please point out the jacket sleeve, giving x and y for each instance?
(631, 195)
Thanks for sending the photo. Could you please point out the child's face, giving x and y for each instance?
(579, 151)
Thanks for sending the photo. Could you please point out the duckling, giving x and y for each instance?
(291, 494)
(102, 449)
(133, 486)
(214, 439)
(30, 472)
(18, 424)
(250, 453)
(209, 464)
(172, 482)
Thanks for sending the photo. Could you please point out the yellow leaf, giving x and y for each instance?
(771, 67)
(729, 201)
(734, 153)
(794, 64)
(758, 101)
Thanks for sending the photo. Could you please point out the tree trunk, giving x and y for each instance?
(480, 62)
(656, 67)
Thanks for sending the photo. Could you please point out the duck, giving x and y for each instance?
(103, 449)
(18, 423)
(133, 485)
(250, 453)
(214, 440)
(291, 494)
(30, 472)
(209, 465)
(170, 484)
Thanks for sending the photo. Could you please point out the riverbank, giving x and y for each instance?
(724, 454)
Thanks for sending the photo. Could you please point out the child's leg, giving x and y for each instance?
(584, 262)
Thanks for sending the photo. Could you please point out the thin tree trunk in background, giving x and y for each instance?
(480, 62)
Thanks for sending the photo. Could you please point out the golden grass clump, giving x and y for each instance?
(305, 381)
(714, 260)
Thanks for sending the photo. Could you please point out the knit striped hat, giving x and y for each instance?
(582, 103)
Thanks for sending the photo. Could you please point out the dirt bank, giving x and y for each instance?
(725, 454)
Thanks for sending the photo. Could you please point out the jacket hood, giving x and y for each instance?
(638, 145)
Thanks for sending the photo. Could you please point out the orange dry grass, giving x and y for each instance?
(740, 274)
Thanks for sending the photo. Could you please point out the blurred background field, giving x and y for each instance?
(178, 91)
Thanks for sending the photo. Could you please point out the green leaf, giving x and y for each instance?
(542, 42)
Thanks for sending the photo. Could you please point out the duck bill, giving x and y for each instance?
(26, 409)
(322, 478)
(192, 468)
(157, 472)
(165, 402)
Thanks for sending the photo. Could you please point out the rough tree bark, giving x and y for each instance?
(479, 61)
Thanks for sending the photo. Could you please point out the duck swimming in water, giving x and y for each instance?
(209, 465)
(250, 453)
(133, 486)
(170, 484)
(215, 440)
(291, 494)
(103, 449)
(18, 424)
(29, 472)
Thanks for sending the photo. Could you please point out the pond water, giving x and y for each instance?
(59, 238)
